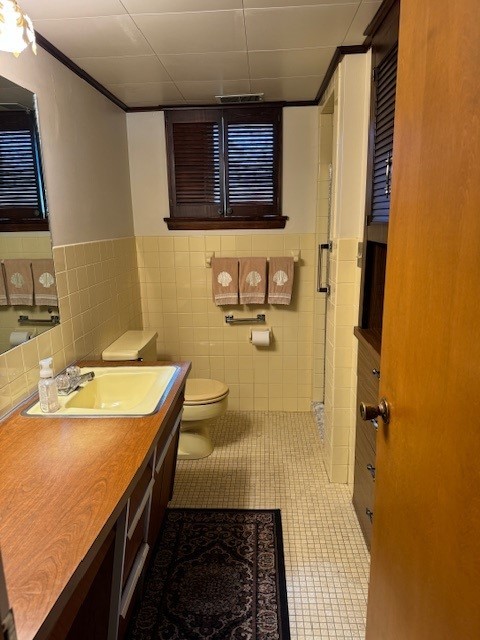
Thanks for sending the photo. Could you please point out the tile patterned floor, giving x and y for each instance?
(274, 460)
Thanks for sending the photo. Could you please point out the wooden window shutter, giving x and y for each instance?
(194, 144)
(385, 81)
(224, 163)
(21, 185)
(252, 158)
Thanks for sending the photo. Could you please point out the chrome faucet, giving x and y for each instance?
(69, 381)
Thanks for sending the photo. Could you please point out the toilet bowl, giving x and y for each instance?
(205, 400)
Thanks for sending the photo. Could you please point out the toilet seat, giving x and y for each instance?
(200, 391)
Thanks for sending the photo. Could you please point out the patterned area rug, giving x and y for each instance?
(218, 574)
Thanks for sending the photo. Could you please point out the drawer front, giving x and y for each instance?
(366, 434)
(162, 490)
(367, 391)
(368, 360)
(133, 544)
(363, 498)
(138, 494)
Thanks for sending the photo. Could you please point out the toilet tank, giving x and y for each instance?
(132, 345)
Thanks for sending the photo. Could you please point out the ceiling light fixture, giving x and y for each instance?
(16, 29)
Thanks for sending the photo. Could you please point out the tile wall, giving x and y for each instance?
(22, 245)
(177, 303)
(343, 132)
(341, 360)
(99, 299)
(321, 236)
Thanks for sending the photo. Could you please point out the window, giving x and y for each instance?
(22, 196)
(224, 168)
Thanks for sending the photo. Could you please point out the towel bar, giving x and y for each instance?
(260, 319)
(211, 254)
(25, 320)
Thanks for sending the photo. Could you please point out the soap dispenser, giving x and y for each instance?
(47, 387)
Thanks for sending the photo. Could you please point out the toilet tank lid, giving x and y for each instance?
(128, 346)
(203, 389)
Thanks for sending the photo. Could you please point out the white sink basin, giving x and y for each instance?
(116, 391)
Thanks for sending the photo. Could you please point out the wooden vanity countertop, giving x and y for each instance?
(63, 483)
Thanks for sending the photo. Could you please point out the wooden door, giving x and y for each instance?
(425, 572)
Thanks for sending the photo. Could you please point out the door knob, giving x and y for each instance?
(372, 411)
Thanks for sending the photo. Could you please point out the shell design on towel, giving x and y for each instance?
(280, 278)
(46, 279)
(253, 278)
(224, 278)
(17, 280)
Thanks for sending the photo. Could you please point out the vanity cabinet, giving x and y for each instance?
(80, 522)
(368, 375)
(383, 35)
(104, 602)
(144, 517)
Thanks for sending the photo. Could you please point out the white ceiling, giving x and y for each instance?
(152, 52)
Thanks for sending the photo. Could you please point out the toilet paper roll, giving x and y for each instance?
(19, 337)
(261, 337)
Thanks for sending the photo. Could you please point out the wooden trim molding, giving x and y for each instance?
(81, 73)
(247, 222)
(65, 60)
(340, 53)
(377, 20)
(246, 105)
(28, 225)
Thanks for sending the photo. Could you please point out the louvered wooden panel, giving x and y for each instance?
(385, 78)
(252, 142)
(21, 192)
(250, 164)
(224, 162)
(197, 166)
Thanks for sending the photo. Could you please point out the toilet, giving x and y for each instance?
(205, 400)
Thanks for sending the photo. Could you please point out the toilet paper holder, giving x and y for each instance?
(263, 330)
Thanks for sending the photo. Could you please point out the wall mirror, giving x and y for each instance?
(28, 299)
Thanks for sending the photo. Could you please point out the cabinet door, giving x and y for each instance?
(164, 478)
(382, 111)
(385, 82)
(6, 619)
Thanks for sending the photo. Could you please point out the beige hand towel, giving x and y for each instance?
(280, 280)
(3, 288)
(225, 281)
(44, 285)
(253, 280)
(19, 281)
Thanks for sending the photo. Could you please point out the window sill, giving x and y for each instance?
(28, 225)
(198, 224)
